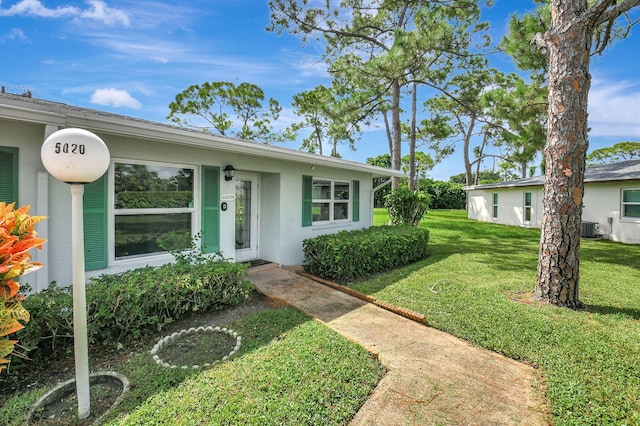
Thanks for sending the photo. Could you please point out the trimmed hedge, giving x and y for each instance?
(348, 255)
(121, 308)
(158, 199)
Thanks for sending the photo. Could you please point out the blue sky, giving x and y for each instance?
(133, 57)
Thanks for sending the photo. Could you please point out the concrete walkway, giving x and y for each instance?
(433, 378)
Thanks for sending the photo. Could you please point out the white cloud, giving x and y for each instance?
(98, 10)
(14, 34)
(37, 9)
(614, 108)
(115, 97)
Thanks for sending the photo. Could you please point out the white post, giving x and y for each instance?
(79, 303)
(77, 156)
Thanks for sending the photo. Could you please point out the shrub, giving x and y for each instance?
(17, 237)
(407, 207)
(348, 255)
(121, 308)
(444, 195)
(156, 199)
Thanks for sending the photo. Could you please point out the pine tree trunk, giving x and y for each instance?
(568, 43)
(396, 156)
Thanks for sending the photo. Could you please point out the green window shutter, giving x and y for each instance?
(95, 224)
(356, 201)
(211, 208)
(307, 200)
(9, 175)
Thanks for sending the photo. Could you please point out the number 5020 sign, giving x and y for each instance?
(75, 156)
(73, 148)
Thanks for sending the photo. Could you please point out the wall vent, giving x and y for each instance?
(588, 229)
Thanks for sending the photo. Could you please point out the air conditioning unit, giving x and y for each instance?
(588, 229)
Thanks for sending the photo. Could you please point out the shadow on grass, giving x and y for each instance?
(612, 310)
(611, 252)
(256, 329)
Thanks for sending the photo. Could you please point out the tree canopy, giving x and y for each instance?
(379, 53)
(618, 152)
(223, 108)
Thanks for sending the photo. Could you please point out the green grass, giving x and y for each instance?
(590, 359)
(289, 370)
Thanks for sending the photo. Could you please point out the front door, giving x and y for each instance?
(246, 217)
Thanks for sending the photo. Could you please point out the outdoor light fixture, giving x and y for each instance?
(77, 157)
(229, 172)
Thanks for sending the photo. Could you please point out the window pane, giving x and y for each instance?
(140, 186)
(527, 214)
(340, 211)
(527, 198)
(341, 191)
(320, 211)
(243, 214)
(495, 198)
(632, 210)
(495, 211)
(321, 190)
(631, 195)
(151, 233)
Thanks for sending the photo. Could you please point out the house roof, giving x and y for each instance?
(35, 110)
(618, 171)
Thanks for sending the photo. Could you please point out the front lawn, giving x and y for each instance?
(290, 370)
(477, 283)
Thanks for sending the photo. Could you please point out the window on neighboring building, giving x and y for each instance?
(631, 203)
(153, 208)
(527, 207)
(330, 200)
(495, 205)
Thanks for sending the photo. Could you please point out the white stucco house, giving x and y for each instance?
(166, 183)
(611, 202)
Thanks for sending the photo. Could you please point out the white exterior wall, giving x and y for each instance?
(291, 208)
(280, 232)
(604, 200)
(601, 201)
(510, 206)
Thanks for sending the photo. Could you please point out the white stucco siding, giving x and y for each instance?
(293, 233)
(603, 201)
(25, 123)
(24, 136)
(511, 206)
(280, 232)
(479, 205)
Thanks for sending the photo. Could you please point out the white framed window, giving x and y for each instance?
(630, 204)
(153, 208)
(330, 200)
(494, 206)
(527, 207)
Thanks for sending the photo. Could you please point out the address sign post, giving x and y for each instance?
(77, 157)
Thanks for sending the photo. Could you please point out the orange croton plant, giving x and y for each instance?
(17, 237)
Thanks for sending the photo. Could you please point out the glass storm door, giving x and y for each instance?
(246, 217)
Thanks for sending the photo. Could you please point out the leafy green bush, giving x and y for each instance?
(352, 254)
(407, 207)
(157, 199)
(120, 308)
(444, 195)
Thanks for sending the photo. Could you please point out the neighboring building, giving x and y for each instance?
(168, 184)
(611, 203)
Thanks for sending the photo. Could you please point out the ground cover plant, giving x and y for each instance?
(477, 284)
(289, 370)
